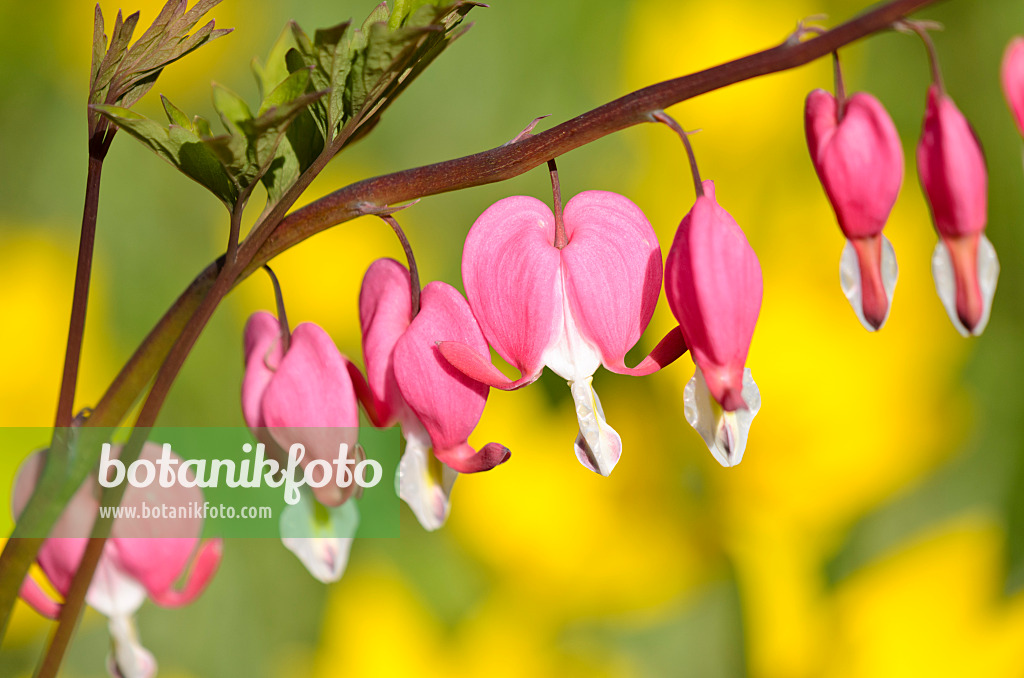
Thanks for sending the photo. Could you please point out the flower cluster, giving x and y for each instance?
(570, 290)
(856, 151)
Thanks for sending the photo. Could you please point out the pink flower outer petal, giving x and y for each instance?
(1012, 75)
(952, 169)
(859, 160)
(446, 402)
(510, 269)
(611, 270)
(714, 287)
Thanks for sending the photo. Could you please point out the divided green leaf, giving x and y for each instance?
(315, 93)
(120, 74)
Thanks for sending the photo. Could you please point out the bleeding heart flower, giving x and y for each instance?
(1013, 79)
(714, 288)
(139, 559)
(305, 395)
(302, 395)
(408, 382)
(952, 170)
(859, 160)
(569, 309)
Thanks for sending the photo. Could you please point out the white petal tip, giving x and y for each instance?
(321, 538)
(324, 557)
(597, 446)
(725, 433)
(425, 484)
(945, 283)
(127, 658)
(853, 289)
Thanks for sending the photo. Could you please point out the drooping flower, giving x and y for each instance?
(302, 395)
(714, 288)
(409, 383)
(955, 180)
(142, 557)
(305, 395)
(859, 160)
(572, 308)
(1013, 79)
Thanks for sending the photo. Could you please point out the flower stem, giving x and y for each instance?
(663, 117)
(933, 55)
(414, 273)
(282, 315)
(70, 612)
(840, 87)
(83, 272)
(556, 191)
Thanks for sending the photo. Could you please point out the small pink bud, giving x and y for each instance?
(1013, 79)
(952, 170)
(714, 288)
(859, 160)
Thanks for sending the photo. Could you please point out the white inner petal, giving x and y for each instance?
(597, 446)
(849, 279)
(320, 537)
(128, 659)
(424, 483)
(570, 356)
(945, 282)
(113, 592)
(725, 433)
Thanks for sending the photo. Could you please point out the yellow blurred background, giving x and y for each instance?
(874, 527)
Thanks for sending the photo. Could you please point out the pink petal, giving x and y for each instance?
(39, 600)
(510, 271)
(262, 357)
(859, 160)
(310, 401)
(312, 386)
(1013, 79)
(447, 402)
(952, 169)
(714, 288)
(970, 303)
(475, 366)
(874, 299)
(385, 311)
(671, 347)
(204, 566)
(612, 271)
(465, 459)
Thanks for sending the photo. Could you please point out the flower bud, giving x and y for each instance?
(859, 160)
(952, 170)
(1013, 79)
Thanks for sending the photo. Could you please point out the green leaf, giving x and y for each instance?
(334, 63)
(175, 115)
(275, 70)
(121, 75)
(293, 87)
(178, 145)
(363, 70)
(392, 60)
(302, 142)
(232, 108)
